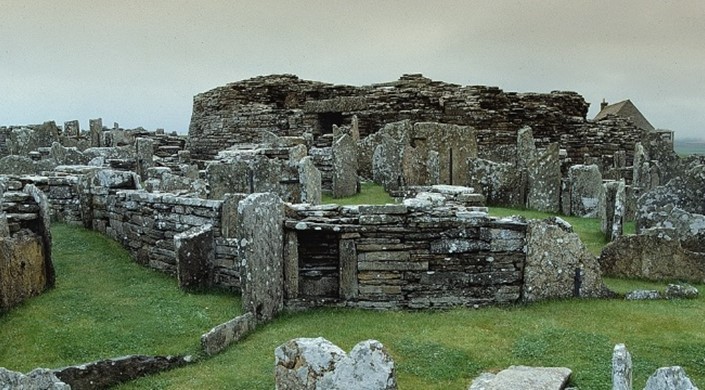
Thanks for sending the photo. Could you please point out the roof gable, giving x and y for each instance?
(626, 109)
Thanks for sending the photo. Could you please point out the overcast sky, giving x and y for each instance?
(139, 63)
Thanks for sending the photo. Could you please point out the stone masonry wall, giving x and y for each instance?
(395, 256)
(286, 105)
(146, 224)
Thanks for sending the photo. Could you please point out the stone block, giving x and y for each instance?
(223, 335)
(260, 233)
(195, 253)
(586, 190)
(621, 368)
(345, 180)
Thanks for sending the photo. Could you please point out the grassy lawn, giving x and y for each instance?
(370, 193)
(106, 306)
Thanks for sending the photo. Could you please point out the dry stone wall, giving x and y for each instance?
(286, 105)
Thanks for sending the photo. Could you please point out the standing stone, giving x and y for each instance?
(669, 378)
(557, 263)
(386, 164)
(96, 129)
(144, 148)
(296, 153)
(621, 368)
(260, 234)
(613, 208)
(72, 129)
(22, 141)
(345, 180)
(433, 168)
(224, 177)
(544, 171)
(586, 190)
(266, 175)
(310, 179)
(228, 214)
(194, 257)
(526, 148)
(454, 144)
(47, 133)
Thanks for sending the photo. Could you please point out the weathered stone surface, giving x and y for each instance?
(318, 364)
(67, 155)
(653, 257)
(144, 154)
(229, 214)
(526, 148)
(613, 209)
(261, 243)
(103, 374)
(194, 251)
(22, 141)
(17, 165)
(677, 291)
(585, 190)
(96, 130)
(228, 177)
(525, 378)
(558, 265)
(108, 178)
(621, 368)
(345, 180)
(38, 379)
(387, 162)
(221, 336)
(72, 128)
(641, 295)
(684, 194)
(501, 183)
(23, 268)
(544, 181)
(669, 378)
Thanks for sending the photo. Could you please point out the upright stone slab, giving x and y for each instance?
(526, 148)
(557, 263)
(454, 144)
(72, 129)
(232, 176)
(386, 164)
(310, 179)
(260, 233)
(144, 148)
(544, 170)
(345, 180)
(621, 368)
(96, 129)
(612, 209)
(22, 141)
(194, 257)
(228, 214)
(586, 190)
(266, 175)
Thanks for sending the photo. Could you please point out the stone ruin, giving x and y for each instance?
(26, 269)
(260, 152)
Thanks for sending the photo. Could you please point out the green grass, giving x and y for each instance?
(370, 193)
(104, 305)
(446, 349)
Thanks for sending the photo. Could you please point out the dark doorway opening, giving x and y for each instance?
(319, 264)
(326, 120)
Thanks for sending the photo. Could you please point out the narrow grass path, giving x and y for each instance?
(104, 305)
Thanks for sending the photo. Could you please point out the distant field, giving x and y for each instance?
(686, 148)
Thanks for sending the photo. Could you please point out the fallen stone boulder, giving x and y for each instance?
(37, 379)
(525, 378)
(316, 363)
(669, 378)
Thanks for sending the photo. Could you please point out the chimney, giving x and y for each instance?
(603, 104)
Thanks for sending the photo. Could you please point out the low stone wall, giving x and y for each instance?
(399, 256)
(146, 224)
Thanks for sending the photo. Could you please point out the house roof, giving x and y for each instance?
(626, 109)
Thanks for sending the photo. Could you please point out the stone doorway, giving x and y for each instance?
(319, 264)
